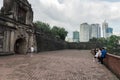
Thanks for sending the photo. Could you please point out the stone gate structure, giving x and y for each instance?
(16, 27)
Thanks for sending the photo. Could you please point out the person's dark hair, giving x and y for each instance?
(100, 48)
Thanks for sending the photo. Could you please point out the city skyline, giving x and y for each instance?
(89, 31)
(70, 14)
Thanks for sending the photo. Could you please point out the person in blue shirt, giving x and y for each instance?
(103, 55)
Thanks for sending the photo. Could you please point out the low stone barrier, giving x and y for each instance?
(112, 62)
(83, 45)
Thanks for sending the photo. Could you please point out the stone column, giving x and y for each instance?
(12, 41)
(1, 41)
(7, 40)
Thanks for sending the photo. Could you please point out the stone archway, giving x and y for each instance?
(20, 46)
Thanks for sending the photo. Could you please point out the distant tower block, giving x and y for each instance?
(84, 32)
(104, 29)
(95, 31)
(75, 36)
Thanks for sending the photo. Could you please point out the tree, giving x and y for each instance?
(55, 31)
(42, 26)
(94, 39)
(112, 43)
(62, 33)
(59, 32)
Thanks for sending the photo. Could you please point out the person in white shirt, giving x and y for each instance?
(32, 50)
(98, 54)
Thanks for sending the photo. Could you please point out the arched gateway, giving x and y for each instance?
(20, 46)
(16, 27)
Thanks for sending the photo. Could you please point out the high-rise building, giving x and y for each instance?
(95, 31)
(84, 32)
(104, 29)
(75, 36)
(109, 31)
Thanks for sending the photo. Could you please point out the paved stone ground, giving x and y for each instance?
(54, 65)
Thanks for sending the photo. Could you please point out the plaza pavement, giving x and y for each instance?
(54, 65)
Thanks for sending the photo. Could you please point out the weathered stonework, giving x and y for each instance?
(16, 27)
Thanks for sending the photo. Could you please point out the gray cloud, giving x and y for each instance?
(61, 1)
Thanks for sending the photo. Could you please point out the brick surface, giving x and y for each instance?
(54, 65)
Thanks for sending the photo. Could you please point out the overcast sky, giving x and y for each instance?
(71, 13)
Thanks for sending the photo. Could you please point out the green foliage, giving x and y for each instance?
(55, 31)
(62, 33)
(58, 32)
(112, 43)
(94, 39)
(43, 26)
(103, 41)
(100, 41)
